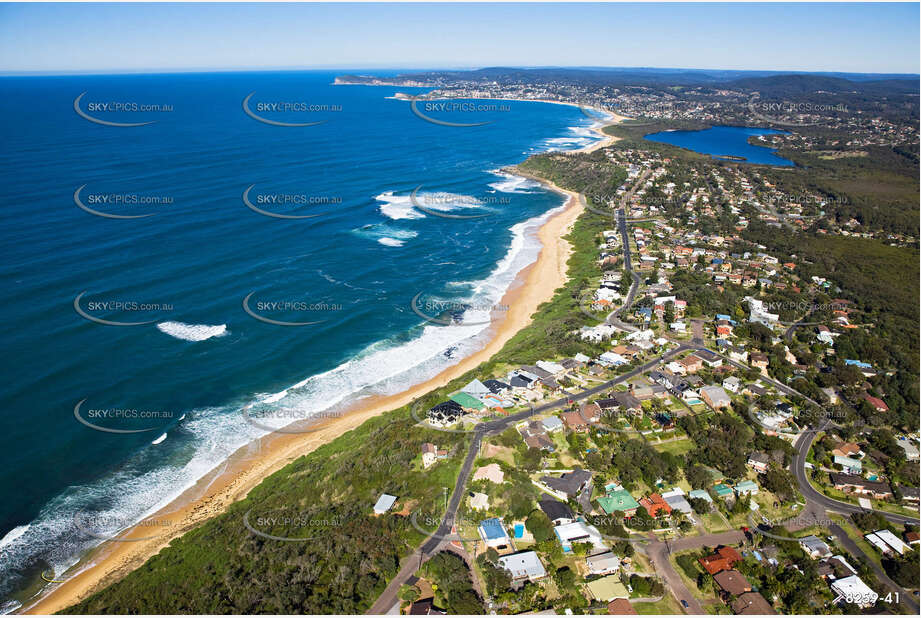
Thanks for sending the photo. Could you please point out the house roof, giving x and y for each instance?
(619, 500)
(554, 509)
(732, 581)
(621, 607)
(751, 604)
(570, 483)
(608, 588)
(495, 386)
(492, 529)
(384, 503)
(476, 388)
(467, 401)
(523, 564)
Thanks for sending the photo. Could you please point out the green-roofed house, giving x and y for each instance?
(468, 401)
(747, 487)
(722, 490)
(607, 589)
(702, 494)
(620, 500)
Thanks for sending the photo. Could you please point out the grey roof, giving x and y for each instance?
(570, 483)
(554, 509)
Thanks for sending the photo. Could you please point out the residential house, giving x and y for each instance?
(619, 500)
(759, 360)
(429, 454)
(425, 607)
(607, 589)
(759, 461)
(715, 397)
(691, 364)
(621, 607)
(557, 512)
(849, 464)
(655, 505)
(551, 424)
(732, 583)
(574, 421)
(490, 472)
(522, 566)
(602, 564)
(493, 534)
(746, 487)
(732, 384)
(847, 449)
(751, 604)
(852, 588)
(384, 503)
(579, 532)
(677, 501)
(569, 484)
(478, 501)
(850, 483)
(725, 558)
(814, 547)
(710, 359)
(878, 404)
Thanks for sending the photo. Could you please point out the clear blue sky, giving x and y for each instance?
(144, 37)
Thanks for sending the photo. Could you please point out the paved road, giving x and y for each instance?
(434, 542)
(802, 445)
(659, 551)
(852, 547)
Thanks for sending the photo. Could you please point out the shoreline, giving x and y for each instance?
(232, 481)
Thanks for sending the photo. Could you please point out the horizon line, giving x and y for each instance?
(321, 68)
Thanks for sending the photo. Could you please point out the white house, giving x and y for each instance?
(384, 503)
(732, 384)
(852, 589)
(523, 565)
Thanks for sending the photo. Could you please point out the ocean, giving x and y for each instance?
(246, 254)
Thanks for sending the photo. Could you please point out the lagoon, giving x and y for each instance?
(725, 142)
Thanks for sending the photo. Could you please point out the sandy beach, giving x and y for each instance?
(249, 466)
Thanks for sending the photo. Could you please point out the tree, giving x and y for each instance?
(540, 526)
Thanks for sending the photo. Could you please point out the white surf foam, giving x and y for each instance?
(391, 242)
(401, 206)
(192, 332)
(513, 184)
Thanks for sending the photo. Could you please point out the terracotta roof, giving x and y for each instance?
(621, 607)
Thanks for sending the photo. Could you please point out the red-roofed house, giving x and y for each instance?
(724, 559)
(655, 504)
(878, 404)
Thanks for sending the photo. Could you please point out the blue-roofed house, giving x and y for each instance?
(857, 363)
(493, 533)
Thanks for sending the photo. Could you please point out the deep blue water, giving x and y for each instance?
(202, 359)
(723, 141)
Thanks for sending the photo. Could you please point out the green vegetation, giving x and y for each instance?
(454, 590)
